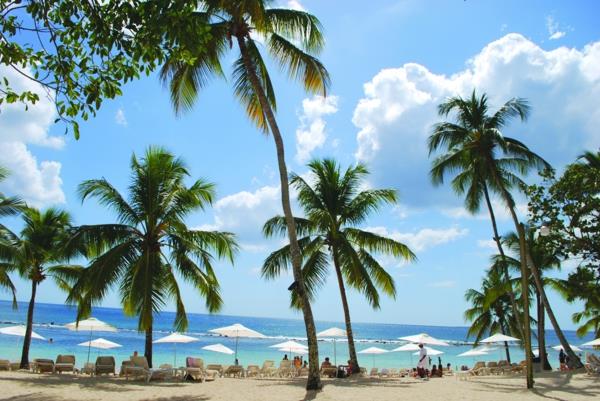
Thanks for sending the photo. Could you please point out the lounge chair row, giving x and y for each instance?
(592, 365)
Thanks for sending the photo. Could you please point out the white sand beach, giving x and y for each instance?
(20, 386)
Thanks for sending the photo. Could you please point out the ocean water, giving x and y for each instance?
(49, 320)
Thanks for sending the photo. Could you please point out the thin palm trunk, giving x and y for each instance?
(349, 332)
(574, 361)
(27, 340)
(541, 318)
(148, 346)
(314, 380)
(503, 331)
(525, 301)
(498, 240)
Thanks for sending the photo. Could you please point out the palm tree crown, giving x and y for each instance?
(150, 245)
(8, 205)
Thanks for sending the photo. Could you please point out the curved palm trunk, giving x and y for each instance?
(314, 379)
(148, 346)
(349, 332)
(541, 318)
(498, 240)
(27, 340)
(525, 301)
(503, 331)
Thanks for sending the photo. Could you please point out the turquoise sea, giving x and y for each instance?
(50, 318)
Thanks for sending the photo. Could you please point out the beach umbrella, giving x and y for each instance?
(431, 352)
(498, 338)
(424, 338)
(333, 332)
(290, 346)
(373, 351)
(92, 324)
(237, 330)
(473, 352)
(100, 343)
(19, 331)
(219, 348)
(294, 350)
(176, 338)
(405, 348)
(593, 343)
(573, 347)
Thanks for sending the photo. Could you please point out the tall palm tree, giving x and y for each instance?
(9, 206)
(149, 247)
(334, 205)
(485, 161)
(38, 253)
(491, 310)
(292, 38)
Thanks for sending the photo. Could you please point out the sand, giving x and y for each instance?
(22, 386)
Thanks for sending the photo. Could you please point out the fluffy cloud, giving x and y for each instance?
(38, 182)
(487, 244)
(423, 239)
(553, 29)
(399, 107)
(120, 117)
(311, 133)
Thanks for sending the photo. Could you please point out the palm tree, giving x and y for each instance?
(36, 254)
(591, 159)
(149, 247)
(334, 205)
(544, 260)
(485, 160)
(292, 38)
(491, 310)
(9, 206)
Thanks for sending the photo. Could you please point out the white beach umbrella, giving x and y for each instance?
(373, 351)
(430, 352)
(332, 333)
(19, 331)
(100, 343)
(407, 348)
(237, 330)
(473, 352)
(593, 343)
(175, 338)
(294, 350)
(288, 344)
(424, 338)
(92, 324)
(219, 348)
(573, 347)
(498, 338)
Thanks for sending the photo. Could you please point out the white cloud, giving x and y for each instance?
(553, 28)
(120, 117)
(487, 244)
(443, 284)
(38, 182)
(295, 5)
(311, 133)
(395, 116)
(423, 239)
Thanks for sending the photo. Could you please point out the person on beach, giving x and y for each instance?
(422, 364)
(325, 364)
(297, 362)
(350, 368)
(285, 358)
(562, 360)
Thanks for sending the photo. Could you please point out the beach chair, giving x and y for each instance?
(374, 372)
(394, 373)
(140, 368)
(268, 369)
(592, 366)
(285, 369)
(385, 372)
(105, 365)
(504, 367)
(363, 372)
(215, 370)
(41, 365)
(493, 368)
(234, 371)
(252, 371)
(65, 363)
(303, 372)
(194, 368)
(4, 364)
(330, 372)
(519, 368)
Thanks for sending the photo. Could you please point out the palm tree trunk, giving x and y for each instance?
(503, 331)
(525, 301)
(541, 318)
(574, 361)
(498, 240)
(349, 332)
(29, 328)
(314, 380)
(148, 346)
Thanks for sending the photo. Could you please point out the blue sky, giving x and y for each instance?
(391, 63)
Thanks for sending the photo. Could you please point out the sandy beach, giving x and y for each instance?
(20, 386)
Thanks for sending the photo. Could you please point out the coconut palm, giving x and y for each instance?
(485, 161)
(292, 38)
(8, 205)
(591, 159)
(38, 253)
(491, 310)
(334, 206)
(150, 247)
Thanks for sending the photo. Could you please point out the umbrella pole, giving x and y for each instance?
(334, 353)
(236, 347)
(89, 346)
(175, 357)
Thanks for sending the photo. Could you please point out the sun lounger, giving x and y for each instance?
(41, 365)
(329, 372)
(194, 368)
(215, 369)
(268, 369)
(104, 365)
(252, 371)
(374, 372)
(285, 369)
(140, 368)
(65, 363)
(592, 366)
(384, 373)
(4, 364)
(234, 371)
(303, 372)
(493, 368)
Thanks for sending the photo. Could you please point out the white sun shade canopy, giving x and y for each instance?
(294, 350)
(424, 338)
(373, 350)
(100, 343)
(219, 348)
(431, 352)
(498, 338)
(19, 331)
(91, 324)
(333, 332)
(473, 352)
(176, 338)
(406, 347)
(593, 343)
(237, 330)
(573, 347)
(289, 344)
